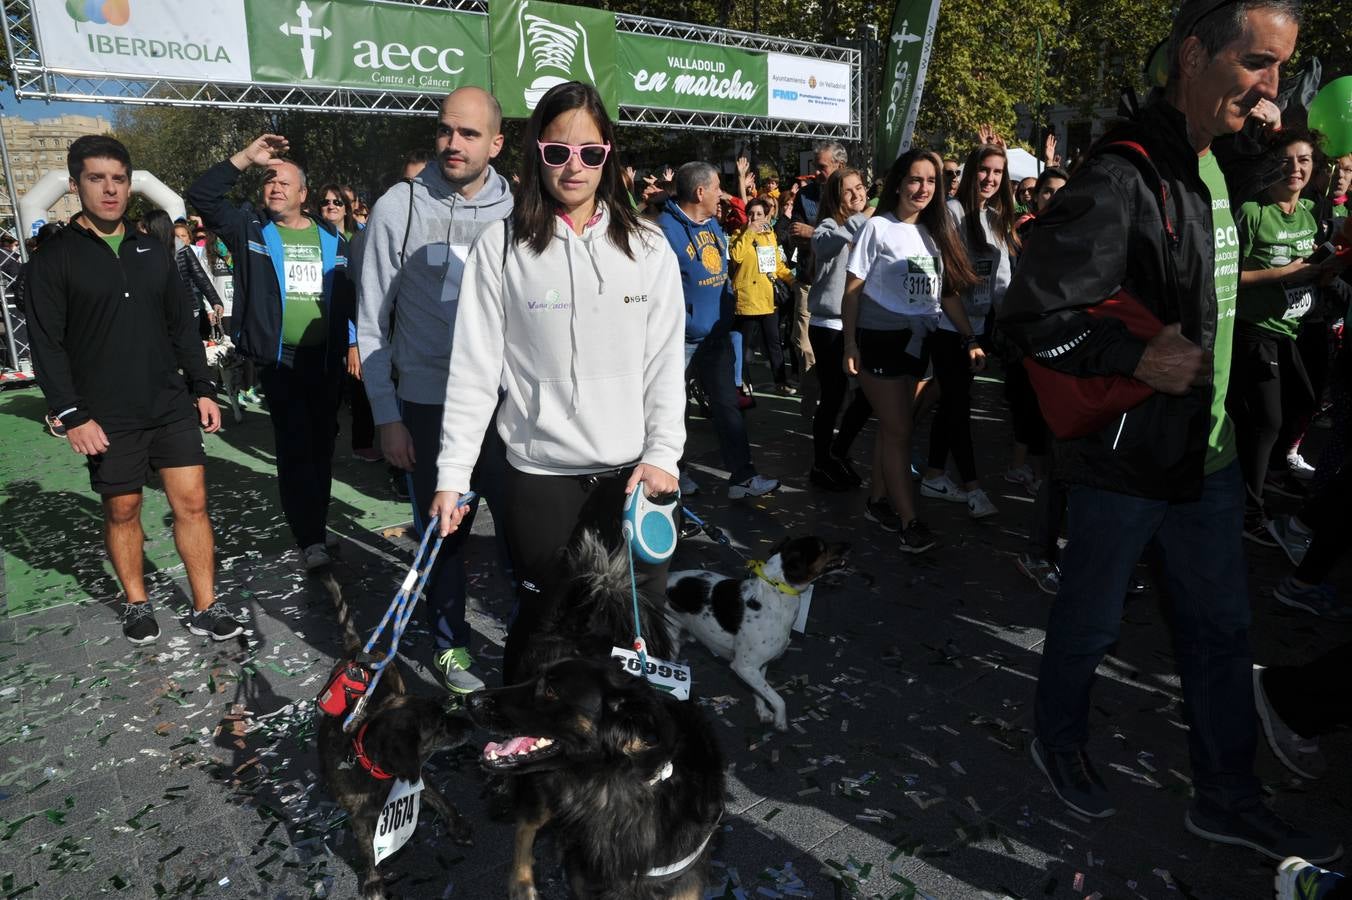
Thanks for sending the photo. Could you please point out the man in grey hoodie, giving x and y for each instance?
(416, 242)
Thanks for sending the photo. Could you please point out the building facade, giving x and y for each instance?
(36, 148)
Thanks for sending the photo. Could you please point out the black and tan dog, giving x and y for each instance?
(397, 733)
(632, 777)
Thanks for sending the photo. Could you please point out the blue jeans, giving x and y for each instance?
(1199, 546)
(710, 362)
(447, 584)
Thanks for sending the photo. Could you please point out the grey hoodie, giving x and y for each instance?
(831, 249)
(424, 291)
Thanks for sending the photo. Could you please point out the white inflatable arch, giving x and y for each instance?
(55, 184)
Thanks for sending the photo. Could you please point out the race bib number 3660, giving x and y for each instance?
(398, 818)
(671, 677)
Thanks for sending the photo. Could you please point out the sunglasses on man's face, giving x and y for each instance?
(556, 155)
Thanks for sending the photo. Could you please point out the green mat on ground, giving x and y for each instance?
(51, 522)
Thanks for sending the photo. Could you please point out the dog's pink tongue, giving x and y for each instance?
(510, 748)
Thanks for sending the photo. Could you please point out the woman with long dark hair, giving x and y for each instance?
(573, 306)
(908, 264)
(983, 214)
(843, 211)
(158, 225)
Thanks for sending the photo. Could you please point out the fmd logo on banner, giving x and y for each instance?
(158, 38)
(539, 45)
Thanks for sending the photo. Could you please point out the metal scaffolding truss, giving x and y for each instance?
(33, 79)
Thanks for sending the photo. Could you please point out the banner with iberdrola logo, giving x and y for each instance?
(359, 44)
(520, 50)
(538, 45)
(669, 74)
(185, 39)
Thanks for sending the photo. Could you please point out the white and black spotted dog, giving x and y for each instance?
(747, 621)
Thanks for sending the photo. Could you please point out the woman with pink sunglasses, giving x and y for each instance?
(573, 307)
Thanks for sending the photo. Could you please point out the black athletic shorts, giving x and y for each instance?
(131, 456)
(883, 354)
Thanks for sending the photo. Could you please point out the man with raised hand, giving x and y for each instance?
(293, 315)
(117, 355)
(415, 245)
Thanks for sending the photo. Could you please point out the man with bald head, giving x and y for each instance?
(414, 250)
(293, 314)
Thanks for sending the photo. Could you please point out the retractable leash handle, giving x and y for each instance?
(401, 608)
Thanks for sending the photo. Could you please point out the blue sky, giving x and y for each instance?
(36, 109)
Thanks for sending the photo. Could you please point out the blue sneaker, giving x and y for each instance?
(1298, 880)
(1319, 599)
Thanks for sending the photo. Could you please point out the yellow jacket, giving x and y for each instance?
(754, 292)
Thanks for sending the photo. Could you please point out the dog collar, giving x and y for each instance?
(758, 567)
(371, 768)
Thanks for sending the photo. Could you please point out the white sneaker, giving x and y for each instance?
(942, 488)
(755, 486)
(316, 557)
(689, 486)
(1298, 467)
(979, 506)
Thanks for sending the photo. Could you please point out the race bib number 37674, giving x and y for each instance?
(398, 818)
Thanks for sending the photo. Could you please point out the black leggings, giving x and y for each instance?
(952, 428)
(768, 325)
(1267, 377)
(545, 512)
(828, 345)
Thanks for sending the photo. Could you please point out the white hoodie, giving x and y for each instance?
(588, 346)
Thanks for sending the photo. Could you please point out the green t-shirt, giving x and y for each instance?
(1220, 447)
(1270, 239)
(114, 241)
(303, 323)
(1340, 211)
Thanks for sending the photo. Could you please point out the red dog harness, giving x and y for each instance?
(372, 769)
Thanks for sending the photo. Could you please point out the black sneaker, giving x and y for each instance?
(1074, 781)
(215, 622)
(917, 538)
(1259, 828)
(847, 470)
(881, 513)
(1256, 530)
(138, 623)
(827, 478)
(399, 487)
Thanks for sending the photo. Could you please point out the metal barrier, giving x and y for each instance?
(16, 360)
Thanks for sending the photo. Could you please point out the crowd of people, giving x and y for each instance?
(537, 340)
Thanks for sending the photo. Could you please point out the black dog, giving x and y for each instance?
(395, 737)
(633, 777)
(593, 612)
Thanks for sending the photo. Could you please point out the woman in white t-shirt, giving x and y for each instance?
(983, 214)
(907, 265)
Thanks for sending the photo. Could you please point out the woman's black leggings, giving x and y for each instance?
(828, 345)
(545, 512)
(952, 429)
(1268, 390)
(768, 325)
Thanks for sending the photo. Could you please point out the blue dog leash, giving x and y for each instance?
(400, 610)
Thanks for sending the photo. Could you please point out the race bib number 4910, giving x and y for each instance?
(398, 818)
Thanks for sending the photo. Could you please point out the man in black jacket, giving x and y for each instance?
(293, 313)
(1164, 471)
(112, 325)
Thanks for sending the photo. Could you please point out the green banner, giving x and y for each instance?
(370, 46)
(908, 54)
(538, 45)
(668, 74)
